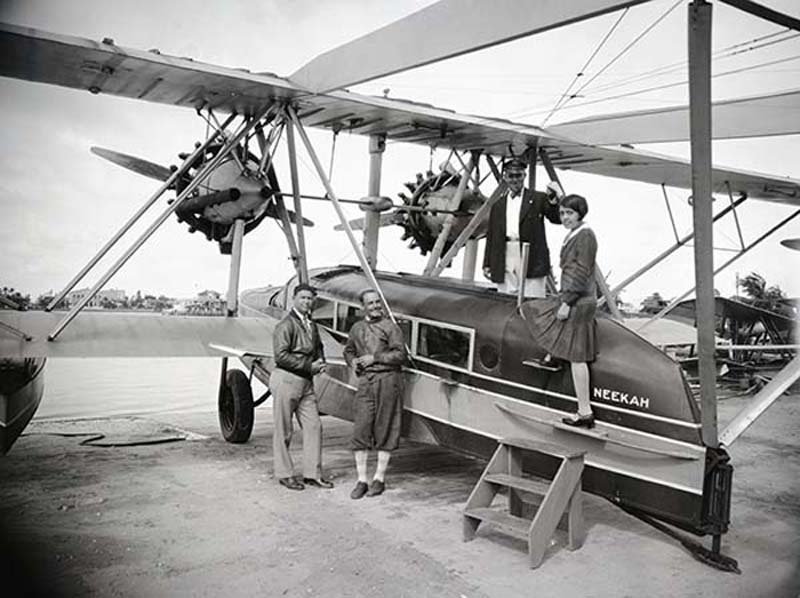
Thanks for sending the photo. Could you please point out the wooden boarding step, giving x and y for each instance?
(537, 487)
(562, 497)
(511, 524)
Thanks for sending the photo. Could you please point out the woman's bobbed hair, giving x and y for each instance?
(577, 203)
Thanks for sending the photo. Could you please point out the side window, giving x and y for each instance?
(443, 344)
(323, 312)
(347, 316)
(405, 327)
(278, 298)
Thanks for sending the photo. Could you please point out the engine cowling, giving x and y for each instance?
(435, 192)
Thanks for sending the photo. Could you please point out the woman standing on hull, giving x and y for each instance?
(564, 325)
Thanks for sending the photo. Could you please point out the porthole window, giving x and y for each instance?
(488, 356)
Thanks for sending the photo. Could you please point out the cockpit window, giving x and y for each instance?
(324, 312)
(347, 316)
(444, 344)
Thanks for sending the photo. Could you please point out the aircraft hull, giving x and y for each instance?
(646, 450)
(21, 390)
(660, 476)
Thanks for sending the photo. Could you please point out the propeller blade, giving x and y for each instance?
(449, 28)
(272, 212)
(137, 165)
(791, 244)
(384, 220)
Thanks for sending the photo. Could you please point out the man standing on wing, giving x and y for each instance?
(298, 358)
(515, 219)
(375, 349)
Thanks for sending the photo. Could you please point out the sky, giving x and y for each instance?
(59, 203)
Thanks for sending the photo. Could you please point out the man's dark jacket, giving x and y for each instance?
(535, 207)
(295, 347)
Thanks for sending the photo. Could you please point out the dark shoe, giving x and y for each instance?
(359, 491)
(291, 484)
(319, 483)
(376, 487)
(581, 421)
(545, 363)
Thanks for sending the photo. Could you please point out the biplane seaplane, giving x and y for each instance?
(474, 377)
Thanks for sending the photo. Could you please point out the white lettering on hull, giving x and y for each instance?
(622, 398)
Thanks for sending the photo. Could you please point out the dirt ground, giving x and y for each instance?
(200, 517)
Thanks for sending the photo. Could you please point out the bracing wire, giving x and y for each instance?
(624, 50)
(565, 97)
(669, 85)
(729, 51)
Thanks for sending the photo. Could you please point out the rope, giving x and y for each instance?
(94, 438)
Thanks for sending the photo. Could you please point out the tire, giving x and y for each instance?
(235, 407)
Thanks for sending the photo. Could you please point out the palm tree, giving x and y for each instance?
(760, 295)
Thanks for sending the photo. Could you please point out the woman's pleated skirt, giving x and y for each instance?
(573, 339)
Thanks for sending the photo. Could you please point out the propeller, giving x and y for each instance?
(231, 192)
(422, 215)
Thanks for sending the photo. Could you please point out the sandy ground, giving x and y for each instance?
(201, 517)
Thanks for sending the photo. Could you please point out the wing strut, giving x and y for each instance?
(683, 296)
(362, 259)
(463, 237)
(680, 242)
(455, 201)
(761, 11)
(699, 33)
(201, 176)
(608, 296)
(267, 149)
(302, 264)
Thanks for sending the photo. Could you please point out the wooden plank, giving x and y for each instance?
(513, 526)
(514, 472)
(538, 487)
(551, 509)
(548, 448)
(620, 437)
(576, 529)
(483, 494)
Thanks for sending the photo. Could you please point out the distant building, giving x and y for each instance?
(207, 303)
(106, 297)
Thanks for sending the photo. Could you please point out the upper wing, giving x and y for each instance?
(106, 68)
(757, 116)
(396, 47)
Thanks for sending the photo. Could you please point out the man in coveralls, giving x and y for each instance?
(375, 349)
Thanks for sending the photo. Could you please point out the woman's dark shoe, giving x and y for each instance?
(319, 483)
(547, 363)
(291, 484)
(581, 421)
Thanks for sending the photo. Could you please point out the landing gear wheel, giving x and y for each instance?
(235, 407)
